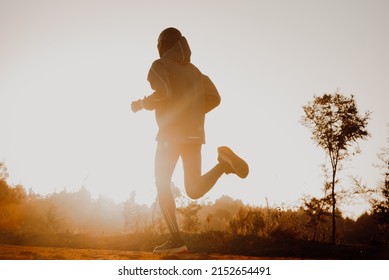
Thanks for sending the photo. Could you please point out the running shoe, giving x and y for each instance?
(171, 247)
(232, 163)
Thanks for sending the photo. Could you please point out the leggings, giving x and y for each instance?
(196, 184)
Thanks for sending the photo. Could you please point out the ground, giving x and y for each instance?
(208, 246)
(14, 252)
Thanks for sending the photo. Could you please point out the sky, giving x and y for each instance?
(69, 70)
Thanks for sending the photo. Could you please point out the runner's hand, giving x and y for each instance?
(136, 105)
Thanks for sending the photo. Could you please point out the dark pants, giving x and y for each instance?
(196, 184)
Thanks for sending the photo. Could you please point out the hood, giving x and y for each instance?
(180, 52)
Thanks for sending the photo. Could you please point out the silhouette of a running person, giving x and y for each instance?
(182, 97)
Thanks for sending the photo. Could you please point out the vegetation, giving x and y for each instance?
(336, 127)
(380, 205)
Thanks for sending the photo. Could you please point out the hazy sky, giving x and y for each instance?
(69, 70)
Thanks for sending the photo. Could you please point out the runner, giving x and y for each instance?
(181, 98)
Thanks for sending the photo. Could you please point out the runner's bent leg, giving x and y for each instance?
(196, 185)
(166, 158)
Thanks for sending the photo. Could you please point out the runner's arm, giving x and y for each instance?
(212, 96)
(159, 82)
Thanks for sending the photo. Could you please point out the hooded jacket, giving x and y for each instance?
(182, 96)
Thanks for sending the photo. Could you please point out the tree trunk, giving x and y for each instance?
(333, 207)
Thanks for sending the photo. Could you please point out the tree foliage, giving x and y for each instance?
(380, 206)
(335, 123)
(3, 171)
(189, 213)
(318, 211)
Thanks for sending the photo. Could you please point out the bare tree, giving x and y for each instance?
(336, 126)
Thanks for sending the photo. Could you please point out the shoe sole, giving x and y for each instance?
(240, 167)
(179, 250)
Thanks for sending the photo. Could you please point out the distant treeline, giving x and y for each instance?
(24, 214)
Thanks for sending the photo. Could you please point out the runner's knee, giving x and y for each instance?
(192, 192)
